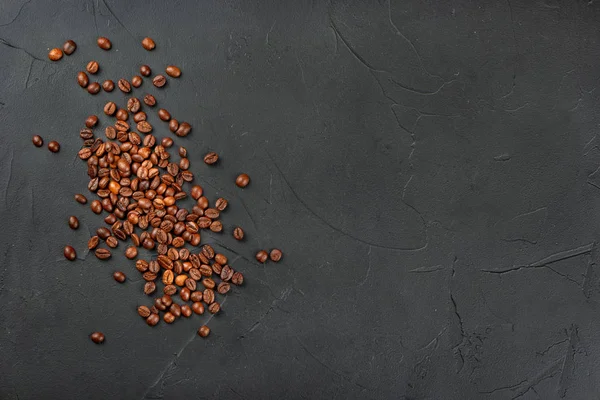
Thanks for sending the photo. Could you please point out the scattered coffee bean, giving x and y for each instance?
(70, 253)
(93, 242)
(237, 278)
(104, 43)
(91, 121)
(92, 67)
(55, 54)
(149, 100)
(119, 276)
(124, 85)
(211, 158)
(149, 288)
(204, 331)
(136, 81)
(153, 319)
(139, 116)
(164, 114)
(173, 71)
(73, 222)
(275, 255)
(183, 130)
(143, 311)
(159, 81)
(242, 180)
(37, 141)
(110, 108)
(221, 204)
(69, 47)
(173, 125)
(122, 115)
(145, 70)
(82, 79)
(108, 85)
(93, 88)
(148, 44)
(262, 256)
(169, 318)
(175, 309)
(186, 311)
(144, 127)
(81, 199)
(102, 254)
(96, 206)
(54, 146)
(133, 105)
(238, 233)
(198, 308)
(97, 337)
(216, 226)
(214, 308)
(131, 252)
(223, 288)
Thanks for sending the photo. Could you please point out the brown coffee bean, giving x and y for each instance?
(149, 276)
(136, 81)
(69, 47)
(208, 283)
(217, 268)
(91, 121)
(104, 43)
(143, 311)
(169, 318)
(238, 233)
(275, 255)
(167, 142)
(97, 337)
(138, 117)
(121, 126)
(112, 242)
(208, 251)
(211, 158)
(205, 270)
(81, 199)
(148, 44)
(196, 192)
(131, 252)
(149, 288)
(173, 71)
(166, 300)
(96, 206)
(93, 242)
(154, 310)
(108, 85)
(175, 309)
(204, 331)
(242, 180)
(214, 308)
(37, 141)
(227, 273)
(221, 204)
(54, 146)
(103, 254)
(190, 284)
(145, 70)
(55, 54)
(122, 115)
(237, 278)
(183, 130)
(144, 127)
(73, 222)
(223, 288)
(185, 293)
(208, 296)
(119, 276)
(196, 296)
(82, 79)
(153, 319)
(170, 290)
(216, 226)
(93, 88)
(173, 125)
(186, 311)
(124, 85)
(180, 280)
(149, 100)
(262, 256)
(168, 277)
(133, 105)
(70, 253)
(159, 81)
(198, 308)
(110, 108)
(92, 67)
(164, 114)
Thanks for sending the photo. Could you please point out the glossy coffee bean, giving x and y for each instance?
(103, 254)
(93, 88)
(183, 130)
(70, 253)
(96, 206)
(122, 115)
(124, 85)
(275, 255)
(55, 54)
(242, 180)
(54, 146)
(149, 100)
(169, 318)
(164, 114)
(136, 81)
(145, 70)
(97, 337)
(211, 158)
(82, 79)
(159, 81)
(262, 256)
(143, 311)
(92, 67)
(119, 276)
(108, 85)
(37, 141)
(153, 319)
(186, 311)
(110, 108)
(73, 222)
(81, 199)
(148, 44)
(104, 43)
(91, 121)
(173, 71)
(131, 252)
(198, 308)
(238, 233)
(69, 47)
(204, 331)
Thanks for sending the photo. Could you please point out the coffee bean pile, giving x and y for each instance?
(137, 182)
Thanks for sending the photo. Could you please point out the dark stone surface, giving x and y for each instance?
(430, 169)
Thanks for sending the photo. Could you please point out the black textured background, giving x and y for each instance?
(430, 169)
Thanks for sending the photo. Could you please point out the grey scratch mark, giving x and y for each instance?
(361, 283)
(10, 171)
(236, 393)
(516, 109)
(503, 387)
(282, 297)
(249, 215)
(32, 204)
(547, 349)
(563, 255)
(18, 13)
(502, 157)
(268, 33)
(432, 268)
(586, 285)
(512, 326)
(588, 143)
(117, 19)
(567, 277)
(409, 179)
(434, 341)
(461, 325)
(514, 35)
(327, 367)
(335, 39)
(95, 16)
(546, 373)
(569, 361)
(29, 73)
(12, 46)
(271, 189)
(301, 71)
(2, 104)
(330, 225)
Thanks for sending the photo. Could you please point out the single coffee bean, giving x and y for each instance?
(148, 44)
(102, 254)
(202, 202)
(214, 308)
(108, 85)
(149, 288)
(143, 311)
(173, 71)
(96, 206)
(55, 54)
(198, 308)
(182, 151)
(149, 100)
(144, 127)
(275, 255)
(121, 126)
(175, 309)
(196, 192)
(170, 290)
(81, 199)
(133, 105)
(54, 146)
(145, 70)
(221, 258)
(186, 311)
(124, 85)
(131, 252)
(97, 337)
(70, 253)
(92, 67)
(205, 270)
(159, 304)
(208, 251)
(86, 134)
(69, 47)
(169, 318)
(217, 268)
(73, 222)
(37, 141)
(122, 115)
(208, 296)
(237, 278)
(262, 256)
(216, 226)
(139, 117)
(153, 319)
(185, 294)
(208, 283)
(180, 280)
(238, 233)
(93, 242)
(91, 121)
(173, 125)
(166, 300)
(223, 288)
(112, 242)
(204, 331)
(183, 130)
(227, 273)
(104, 43)
(196, 296)
(159, 81)
(119, 276)
(154, 310)
(110, 108)
(93, 88)
(164, 114)
(82, 79)
(221, 204)
(242, 180)
(136, 81)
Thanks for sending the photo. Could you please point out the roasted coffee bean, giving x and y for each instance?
(136, 81)
(159, 81)
(196, 192)
(37, 141)
(154, 310)
(119, 276)
(148, 44)
(93, 242)
(221, 258)
(227, 273)
(262, 256)
(221, 204)
(184, 254)
(169, 318)
(275, 255)
(209, 296)
(69, 47)
(216, 226)
(153, 319)
(166, 300)
(138, 117)
(108, 85)
(173, 71)
(175, 309)
(145, 70)
(164, 114)
(170, 290)
(208, 251)
(180, 280)
(208, 283)
(217, 268)
(92, 67)
(97, 337)
(104, 43)
(122, 115)
(121, 126)
(205, 270)
(85, 134)
(237, 278)
(54, 146)
(55, 54)
(168, 277)
(167, 142)
(173, 125)
(186, 311)
(211, 158)
(149, 276)
(238, 233)
(103, 254)
(196, 296)
(112, 242)
(131, 252)
(93, 88)
(124, 85)
(143, 311)
(223, 288)
(159, 304)
(204, 222)
(103, 233)
(183, 130)
(214, 308)
(198, 308)
(211, 213)
(149, 100)
(73, 222)
(242, 180)
(149, 288)
(82, 79)
(110, 108)
(133, 105)
(190, 284)
(185, 294)
(70, 253)
(91, 121)
(203, 331)
(154, 267)
(144, 127)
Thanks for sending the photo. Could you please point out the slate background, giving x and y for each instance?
(430, 169)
